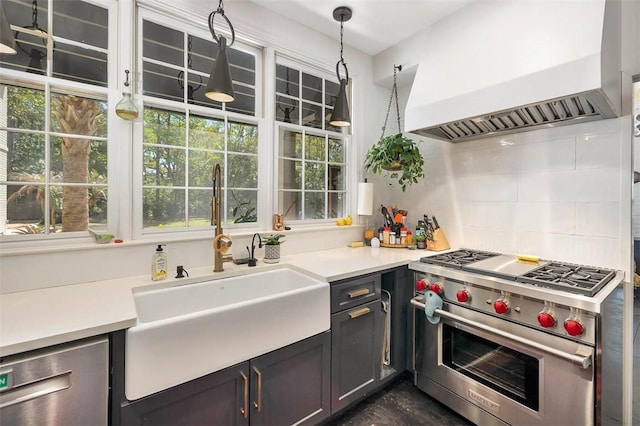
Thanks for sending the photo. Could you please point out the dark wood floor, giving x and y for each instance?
(400, 403)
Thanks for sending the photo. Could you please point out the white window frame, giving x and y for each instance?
(50, 85)
(196, 28)
(302, 66)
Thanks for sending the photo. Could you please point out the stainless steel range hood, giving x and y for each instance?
(504, 67)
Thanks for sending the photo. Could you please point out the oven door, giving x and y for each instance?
(494, 371)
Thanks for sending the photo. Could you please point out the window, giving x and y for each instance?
(185, 133)
(53, 119)
(311, 153)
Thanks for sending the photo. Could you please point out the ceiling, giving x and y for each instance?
(375, 24)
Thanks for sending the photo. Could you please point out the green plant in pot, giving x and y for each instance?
(399, 157)
(421, 241)
(272, 248)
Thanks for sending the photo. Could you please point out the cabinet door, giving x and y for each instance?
(292, 384)
(220, 398)
(356, 353)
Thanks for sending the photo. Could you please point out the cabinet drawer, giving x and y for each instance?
(351, 293)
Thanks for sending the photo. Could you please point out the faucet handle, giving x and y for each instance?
(221, 243)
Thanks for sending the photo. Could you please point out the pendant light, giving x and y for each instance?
(340, 117)
(220, 86)
(126, 108)
(36, 56)
(7, 42)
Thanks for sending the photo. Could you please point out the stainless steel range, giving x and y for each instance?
(509, 341)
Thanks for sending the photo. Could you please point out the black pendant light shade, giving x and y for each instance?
(220, 85)
(7, 42)
(340, 117)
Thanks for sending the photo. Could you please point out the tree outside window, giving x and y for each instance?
(53, 142)
(186, 133)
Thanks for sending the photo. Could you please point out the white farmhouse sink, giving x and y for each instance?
(188, 331)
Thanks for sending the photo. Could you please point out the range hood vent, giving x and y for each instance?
(586, 107)
(559, 63)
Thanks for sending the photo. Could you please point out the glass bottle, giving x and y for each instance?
(126, 109)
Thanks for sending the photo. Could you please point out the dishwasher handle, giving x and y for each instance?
(582, 356)
(35, 390)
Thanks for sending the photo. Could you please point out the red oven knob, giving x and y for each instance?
(435, 287)
(463, 296)
(501, 306)
(421, 285)
(573, 327)
(546, 319)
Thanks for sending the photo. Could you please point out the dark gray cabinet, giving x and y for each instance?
(356, 340)
(286, 386)
(217, 398)
(292, 385)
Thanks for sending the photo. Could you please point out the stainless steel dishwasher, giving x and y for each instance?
(62, 385)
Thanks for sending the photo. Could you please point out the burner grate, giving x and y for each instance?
(459, 258)
(568, 277)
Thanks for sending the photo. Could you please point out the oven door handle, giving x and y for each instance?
(581, 357)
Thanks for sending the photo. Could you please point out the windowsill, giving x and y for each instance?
(22, 248)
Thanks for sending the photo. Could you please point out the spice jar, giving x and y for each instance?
(386, 234)
(392, 238)
(409, 237)
(403, 235)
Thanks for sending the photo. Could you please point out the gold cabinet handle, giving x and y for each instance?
(245, 406)
(359, 292)
(359, 312)
(258, 403)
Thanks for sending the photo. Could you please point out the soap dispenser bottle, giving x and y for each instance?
(159, 264)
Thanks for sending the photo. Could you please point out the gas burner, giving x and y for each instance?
(459, 258)
(568, 277)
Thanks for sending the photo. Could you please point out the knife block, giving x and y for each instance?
(439, 242)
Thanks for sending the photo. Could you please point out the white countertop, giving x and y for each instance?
(39, 318)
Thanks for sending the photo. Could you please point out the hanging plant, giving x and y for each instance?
(396, 156)
(399, 157)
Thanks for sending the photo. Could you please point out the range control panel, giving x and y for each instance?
(539, 314)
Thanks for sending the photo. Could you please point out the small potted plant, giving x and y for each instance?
(399, 157)
(421, 241)
(272, 248)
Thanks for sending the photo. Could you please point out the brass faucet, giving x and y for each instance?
(221, 242)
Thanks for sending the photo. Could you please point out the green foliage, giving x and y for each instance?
(273, 239)
(242, 210)
(399, 157)
(421, 237)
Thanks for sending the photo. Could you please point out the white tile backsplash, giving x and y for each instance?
(553, 193)
(598, 219)
(493, 215)
(598, 151)
(598, 185)
(505, 159)
(489, 187)
(552, 155)
(482, 238)
(547, 186)
(571, 248)
(557, 217)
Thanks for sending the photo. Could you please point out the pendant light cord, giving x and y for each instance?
(341, 61)
(394, 93)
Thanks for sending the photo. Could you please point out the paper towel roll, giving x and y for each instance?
(365, 198)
